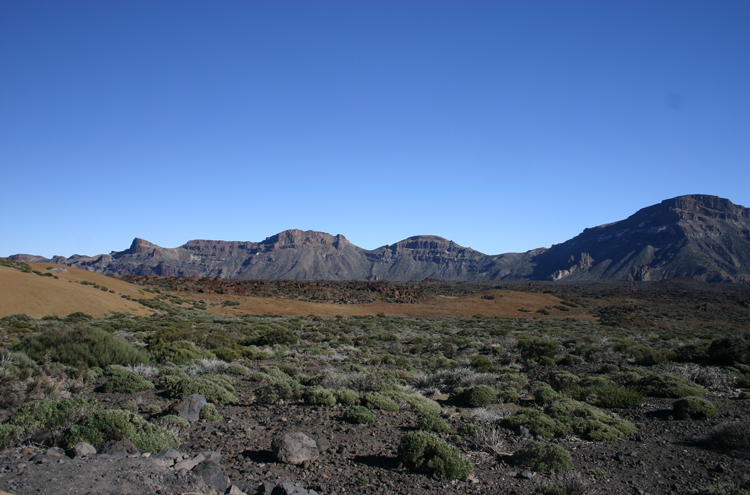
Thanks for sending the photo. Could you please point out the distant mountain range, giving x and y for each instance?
(698, 236)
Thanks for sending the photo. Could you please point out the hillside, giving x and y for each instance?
(74, 290)
(696, 236)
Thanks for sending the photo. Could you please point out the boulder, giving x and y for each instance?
(82, 449)
(294, 448)
(122, 446)
(212, 475)
(190, 407)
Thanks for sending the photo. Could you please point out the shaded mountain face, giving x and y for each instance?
(697, 236)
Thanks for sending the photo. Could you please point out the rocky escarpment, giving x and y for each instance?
(697, 236)
(690, 236)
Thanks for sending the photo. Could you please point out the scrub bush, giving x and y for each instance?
(425, 452)
(694, 408)
(433, 422)
(359, 415)
(476, 396)
(541, 456)
(669, 386)
(92, 346)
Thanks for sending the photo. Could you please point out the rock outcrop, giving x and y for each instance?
(697, 236)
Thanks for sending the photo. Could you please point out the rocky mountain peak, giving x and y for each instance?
(141, 246)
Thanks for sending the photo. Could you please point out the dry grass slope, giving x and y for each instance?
(39, 296)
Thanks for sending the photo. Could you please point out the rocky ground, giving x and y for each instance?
(664, 456)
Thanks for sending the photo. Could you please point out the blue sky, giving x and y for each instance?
(503, 126)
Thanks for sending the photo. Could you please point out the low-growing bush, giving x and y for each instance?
(668, 386)
(359, 415)
(434, 423)
(127, 382)
(237, 369)
(537, 422)
(694, 408)
(566, 416)
(375, 400)
(610, 396)
(104, 425)
(53, 416)
(92, 346)
(476, 396)
(541, 456)
(469, 429)
(215, 388)
(10, 435)
(425, 452)
(734, 435)
(347, 397)
(318, 396)
(210, 414)
(560, 380)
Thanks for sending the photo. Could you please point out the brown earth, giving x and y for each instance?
(39, 296)
(506, 303)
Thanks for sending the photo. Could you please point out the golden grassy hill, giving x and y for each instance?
(38, 296)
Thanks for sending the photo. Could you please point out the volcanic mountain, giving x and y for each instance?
(697, 236)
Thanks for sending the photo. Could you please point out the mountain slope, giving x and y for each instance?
(689, 236)
(698, 236)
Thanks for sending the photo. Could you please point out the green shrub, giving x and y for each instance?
(210, 414)
(417, 402)
(422, 451)
(610, 396)
(153, 409)
(588, 421)
(375, 400)
(179, 352)
(276, 336)
(510, 396)
(469, 429)
(92, 346)
(237, 369)
(270, 393)
(213, 387)
(744, 382)
(537, 422)
(476, 396)
(318, 396)
(104, 425)
(40, 415)
(560, 380)
(359, 415)
(175, 424)
(730, 350)
(734, 435)
(694, 408)
(347, 397)
(541, 456)
(669, 386)
(433, 422)
(127, 382)
(10, 435)
(545, 394)
(129, 406)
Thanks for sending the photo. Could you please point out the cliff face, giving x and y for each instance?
(695, 236)
(690, 236)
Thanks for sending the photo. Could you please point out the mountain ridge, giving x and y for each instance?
(698, 236)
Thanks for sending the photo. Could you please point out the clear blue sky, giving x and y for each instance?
(501, 125)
